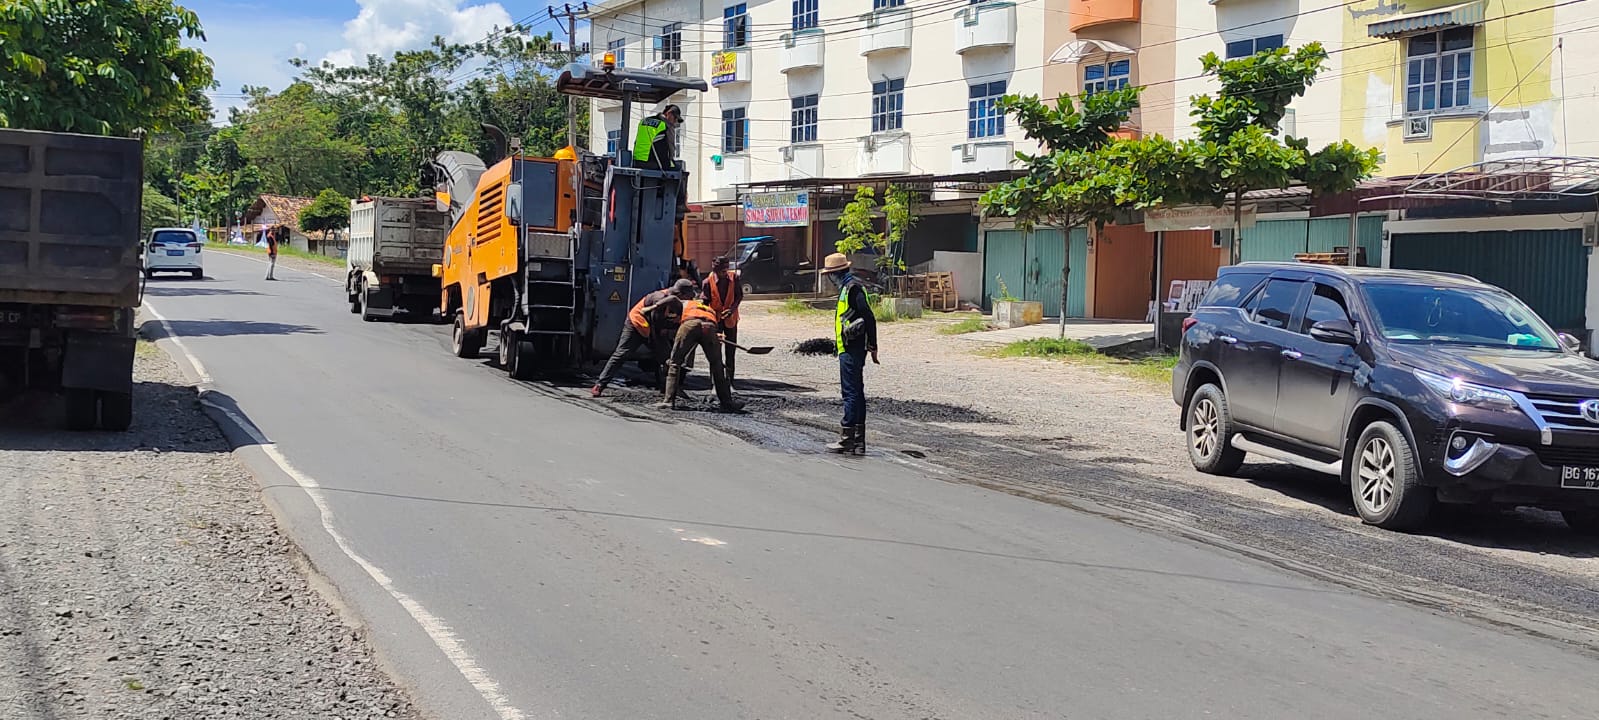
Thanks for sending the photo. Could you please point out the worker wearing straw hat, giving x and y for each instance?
(855, 339)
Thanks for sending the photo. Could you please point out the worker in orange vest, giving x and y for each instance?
(724, 293)
(698, 329)
(652, 321)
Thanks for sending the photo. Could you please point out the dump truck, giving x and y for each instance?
(546, 256)
(70, 274)
(394, 244)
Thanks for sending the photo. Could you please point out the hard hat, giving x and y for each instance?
(566, 153)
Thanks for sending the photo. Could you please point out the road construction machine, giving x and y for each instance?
(545, 256)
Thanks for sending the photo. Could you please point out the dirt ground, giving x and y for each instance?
(142, 577)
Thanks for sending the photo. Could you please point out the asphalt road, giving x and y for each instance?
(519, 555)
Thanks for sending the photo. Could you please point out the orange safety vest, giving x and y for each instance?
(722, 294)
(636, 315)
(698, 310)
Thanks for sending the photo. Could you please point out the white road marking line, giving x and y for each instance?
(441, 633)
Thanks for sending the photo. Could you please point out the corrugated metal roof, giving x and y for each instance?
(1470, 13)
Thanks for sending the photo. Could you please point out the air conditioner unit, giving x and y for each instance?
(968, 152)
(676, 67)
(870, 143)
(1418, 128)
(788, 153)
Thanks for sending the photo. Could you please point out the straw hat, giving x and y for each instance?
(837, 262)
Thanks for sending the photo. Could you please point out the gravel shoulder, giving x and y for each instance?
(141, 576)
(1104, 441)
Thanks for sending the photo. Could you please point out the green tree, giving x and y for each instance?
(291, 137)
(858, 222)
(158, 211)
(329, 211)
(224, 182)
(899, 208)
(1238, 148)
(104, 67)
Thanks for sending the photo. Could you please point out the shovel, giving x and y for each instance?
(762, 350)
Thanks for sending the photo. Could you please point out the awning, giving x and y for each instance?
(1077, 50)
(1470, 13)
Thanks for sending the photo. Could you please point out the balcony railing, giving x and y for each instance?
(986, 25)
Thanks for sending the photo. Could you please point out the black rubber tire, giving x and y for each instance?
(148, 273)
(197, 274)
(505, 352)
(464, 343)
(748, 289)
(1408, 503)
(116, 411)
(83, 409)
(366, 309)
(522, 363)
(1207, 408)
(1582, 521)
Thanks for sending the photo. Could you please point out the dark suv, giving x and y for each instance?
(1413, 387)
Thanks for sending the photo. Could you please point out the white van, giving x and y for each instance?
(173, 250)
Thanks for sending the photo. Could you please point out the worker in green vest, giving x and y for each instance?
(655, 147)
(855, 339)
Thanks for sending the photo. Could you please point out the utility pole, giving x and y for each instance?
(570, 13)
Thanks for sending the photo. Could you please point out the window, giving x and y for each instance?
(1438, 71)
(669, 44)
(618, 46)
(735, 26)
(735, 130)
(885, 4)
(983, 117)
(1230, 289)
(1109, 76)
(1457, 315)
(802, 126)
(888, 105)
(805, 14)
(1326, 303)
(1245, 48)
(1274, 306)
(612, 139)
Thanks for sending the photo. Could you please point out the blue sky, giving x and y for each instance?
(251, 41)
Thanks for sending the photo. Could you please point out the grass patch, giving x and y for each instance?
(146, 348)
(968, 325)
(283, 250)
(1154, 368)
(796, 306)
(884, 310)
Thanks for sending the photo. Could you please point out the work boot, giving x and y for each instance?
(732, 406)
(674, 380)
(846, 441)
(860, 439)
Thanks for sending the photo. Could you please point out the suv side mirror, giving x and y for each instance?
(1335, 332)
(1570, 342)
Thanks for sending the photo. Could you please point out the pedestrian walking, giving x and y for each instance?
(652, 321)
(272, 236)
(724, 293)
(699, 330)
(855, 339)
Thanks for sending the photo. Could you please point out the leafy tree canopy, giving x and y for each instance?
(103, 67)
(329, 211)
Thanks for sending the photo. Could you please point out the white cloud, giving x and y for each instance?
(385, 26)
(255, 50)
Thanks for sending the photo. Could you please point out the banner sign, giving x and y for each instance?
(777, 209)
(724, 67)
(1195, 217)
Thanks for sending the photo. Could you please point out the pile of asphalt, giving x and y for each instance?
(814, 346)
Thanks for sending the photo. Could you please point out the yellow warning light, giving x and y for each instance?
(608, 60)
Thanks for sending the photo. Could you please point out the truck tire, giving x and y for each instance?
(465, 343)
(519, 360)
(116, 411)
(366, 307)
(1385, 482)
(83, 409)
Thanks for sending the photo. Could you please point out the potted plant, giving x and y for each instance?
(1011, 311)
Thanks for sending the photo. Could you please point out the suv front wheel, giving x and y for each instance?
(1384, 480)
(1210, 433)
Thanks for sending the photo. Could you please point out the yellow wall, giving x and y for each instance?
(1506, 51)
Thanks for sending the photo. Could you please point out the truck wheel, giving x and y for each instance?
(83, 409)
(355, 303)
(366, 306)
(519, 357)
(1385, 481)
(1210, 433)
(464, 343)
(116, 411)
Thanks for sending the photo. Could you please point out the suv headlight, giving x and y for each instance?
(1459, 391)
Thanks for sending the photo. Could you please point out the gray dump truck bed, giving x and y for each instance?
(69, 218)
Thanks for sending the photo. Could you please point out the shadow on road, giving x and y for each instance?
(181, 290)
(36, 422)
(1523, 529)
(221, 328)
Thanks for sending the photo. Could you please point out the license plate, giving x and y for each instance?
(11, 317)
(1580, 478)
(174, 253)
